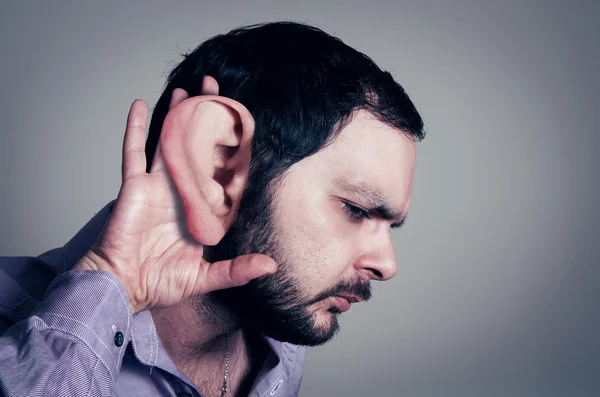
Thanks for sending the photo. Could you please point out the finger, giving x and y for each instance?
(235, 272)
(209, 86)
(177, 96)
(134, 157)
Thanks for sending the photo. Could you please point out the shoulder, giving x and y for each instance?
(23, 282)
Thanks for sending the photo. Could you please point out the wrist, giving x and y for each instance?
(92, 261)
(85, 263)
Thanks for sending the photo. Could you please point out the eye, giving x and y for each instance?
(356, 214)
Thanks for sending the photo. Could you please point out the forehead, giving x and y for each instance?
(372, 153)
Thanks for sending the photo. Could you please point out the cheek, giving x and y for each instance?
(312, 240)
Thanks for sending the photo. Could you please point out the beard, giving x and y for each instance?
(275, 305)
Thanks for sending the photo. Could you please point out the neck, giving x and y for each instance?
(197, 325)
(194, 333)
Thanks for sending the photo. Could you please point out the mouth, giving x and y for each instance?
(343, 302)
(351, 298)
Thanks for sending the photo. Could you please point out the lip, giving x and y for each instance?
(341, 303)
(351, 298)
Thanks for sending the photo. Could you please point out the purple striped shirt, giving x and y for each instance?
(72, 333)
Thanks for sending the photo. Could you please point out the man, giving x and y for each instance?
(276, 145)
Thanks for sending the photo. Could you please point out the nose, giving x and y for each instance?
(378, 258)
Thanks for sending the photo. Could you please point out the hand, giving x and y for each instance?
(146, 242)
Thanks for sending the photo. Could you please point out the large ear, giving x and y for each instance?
(206, 143)
(209, 87)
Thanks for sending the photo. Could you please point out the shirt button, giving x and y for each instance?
(119, 339)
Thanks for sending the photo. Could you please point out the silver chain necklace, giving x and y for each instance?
(227, 354)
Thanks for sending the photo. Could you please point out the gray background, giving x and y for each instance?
(499, 275)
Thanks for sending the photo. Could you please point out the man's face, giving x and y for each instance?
(329, 232)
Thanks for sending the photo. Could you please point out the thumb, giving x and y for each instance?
(235, 272)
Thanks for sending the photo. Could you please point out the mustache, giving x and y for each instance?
(358, 287)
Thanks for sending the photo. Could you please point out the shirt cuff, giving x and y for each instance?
(92, 306)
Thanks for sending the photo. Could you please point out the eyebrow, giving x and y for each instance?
(373, 199)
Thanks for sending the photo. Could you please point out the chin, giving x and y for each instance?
(317, 329)
(276, 310)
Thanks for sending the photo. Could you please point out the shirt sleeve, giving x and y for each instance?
(73, 343)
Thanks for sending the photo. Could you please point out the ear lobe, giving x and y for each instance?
(206, 144)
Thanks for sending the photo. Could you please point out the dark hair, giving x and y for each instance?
(300, 84)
